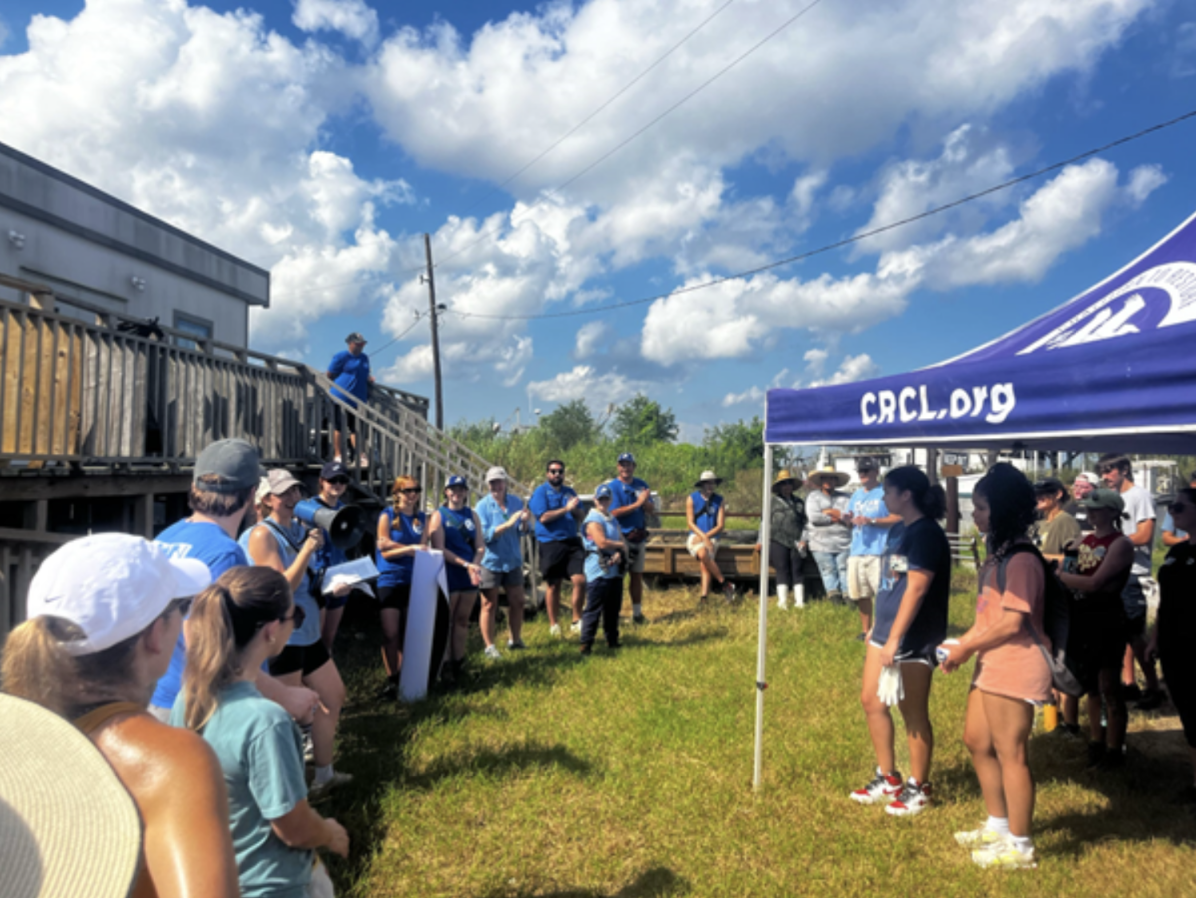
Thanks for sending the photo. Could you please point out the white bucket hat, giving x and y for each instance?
(707, 475)
(67, 824)
(111, 586)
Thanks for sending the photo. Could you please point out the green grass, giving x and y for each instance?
(630, 776)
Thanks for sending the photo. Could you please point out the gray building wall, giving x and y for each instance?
(86, 245)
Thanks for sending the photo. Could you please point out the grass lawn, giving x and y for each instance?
(627, 776)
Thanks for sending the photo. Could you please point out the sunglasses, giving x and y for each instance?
(297, 616)
(556, 470)
(339, 481)
(183, 606)
(413, 490)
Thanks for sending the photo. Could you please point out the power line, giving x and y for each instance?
(585, 121)
(693, 93)
(597, 310)
(418, 319)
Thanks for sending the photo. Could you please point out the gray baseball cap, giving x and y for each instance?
(228, 466)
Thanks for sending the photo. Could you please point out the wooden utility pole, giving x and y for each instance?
(432, 310)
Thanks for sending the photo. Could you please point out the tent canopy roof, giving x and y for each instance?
(1113, 369)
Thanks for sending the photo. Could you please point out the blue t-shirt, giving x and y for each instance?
(405, 531)
(626, 494)
(309, 633)
(610, 527)
(503, 552)
(544, 499)
(1169, 527)
(353, 373)
(868, 540)
(459, 535)
(260, 752)
(706, 512)
(219, 551)
(923, 547)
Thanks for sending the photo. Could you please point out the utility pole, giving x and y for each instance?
(432, 310)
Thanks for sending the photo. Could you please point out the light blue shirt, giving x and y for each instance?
(610, 528)
(870, 539)
(309, 633)
(1169, 527)
(503, 552)
(260, 753)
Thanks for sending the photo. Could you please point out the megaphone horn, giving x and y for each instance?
(346, 526)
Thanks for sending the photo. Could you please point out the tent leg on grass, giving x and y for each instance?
(762, 648)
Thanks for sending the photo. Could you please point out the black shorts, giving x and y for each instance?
(1096, 641)
(397, 596)
(562, 559)
(343, 420)
(306, 658)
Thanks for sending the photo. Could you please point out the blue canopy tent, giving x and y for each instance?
(1113, 369)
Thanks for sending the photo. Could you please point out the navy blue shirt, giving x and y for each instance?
(460, 533)
(353, 373)
(625, 494)
(545, 499)
(922, 546)
(706, 512)
(405, 531)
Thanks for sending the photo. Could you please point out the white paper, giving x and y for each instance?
(350, 572)
(428, 582)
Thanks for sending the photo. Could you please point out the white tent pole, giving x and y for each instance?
(762, 639)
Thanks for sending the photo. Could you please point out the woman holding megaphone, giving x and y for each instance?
(281, 542)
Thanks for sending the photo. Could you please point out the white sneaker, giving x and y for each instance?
(555, 630)
(978, 838)
(1005, 854)
(913, 799)
(492, 653)
(575, 627)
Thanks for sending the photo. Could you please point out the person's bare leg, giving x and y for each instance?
(864, 607)
(336, 444)
(635, 587)
(1070, 706)
(515, 599)
(876, 713)
(1127, 667)
(327, 683)
(330, 622)
(1010, 721)
(487, 621)
(704, 574)
(579, 596)
(915, 711)
(1096, 732)
(1115, 711)
(977, 737)
(460, 610)
(552, 601)
(1149, 672)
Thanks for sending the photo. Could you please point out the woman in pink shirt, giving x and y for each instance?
(1011, 675)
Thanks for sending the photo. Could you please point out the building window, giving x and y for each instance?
(197, 326)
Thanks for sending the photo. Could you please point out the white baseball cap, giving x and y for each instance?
(112, 586)
(496, 473)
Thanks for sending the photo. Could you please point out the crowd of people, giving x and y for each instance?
(201, 664)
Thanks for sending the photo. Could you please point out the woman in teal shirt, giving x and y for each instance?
(238, 623)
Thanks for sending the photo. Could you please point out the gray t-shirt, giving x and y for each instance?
(823, 534)
(1139, 507)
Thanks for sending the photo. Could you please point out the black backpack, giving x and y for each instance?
(1056, 616)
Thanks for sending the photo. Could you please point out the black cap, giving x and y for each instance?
(228, 466)
(867, 463)
(355, 337)
(1049, 486)
(333, 469)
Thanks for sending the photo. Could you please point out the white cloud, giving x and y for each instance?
(590, 337)
(208, 121)
(852, 368)
(350, 17)
(815, 360)
(459, 104)
(1144, 180)
(802, 196)
(1183, 59)
(752, 395)
(599, 390)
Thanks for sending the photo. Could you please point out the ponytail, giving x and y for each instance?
(38, 667)
(224, 621)
(931, 501)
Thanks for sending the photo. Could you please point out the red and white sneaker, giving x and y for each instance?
(914, 798)
(880, 790)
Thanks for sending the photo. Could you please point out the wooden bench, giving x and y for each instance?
(964, 549)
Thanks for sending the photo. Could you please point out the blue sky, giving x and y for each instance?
(322, 138)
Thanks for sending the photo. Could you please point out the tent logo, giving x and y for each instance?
(1160, 297)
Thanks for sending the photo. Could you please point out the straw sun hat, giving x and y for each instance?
(786, 476)
(67, 825)
(817, 477)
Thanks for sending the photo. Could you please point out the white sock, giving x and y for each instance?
(323, 775)
(782, 596)
(998, 825)
(1022, 843)
(799, 595)
(636, 608)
